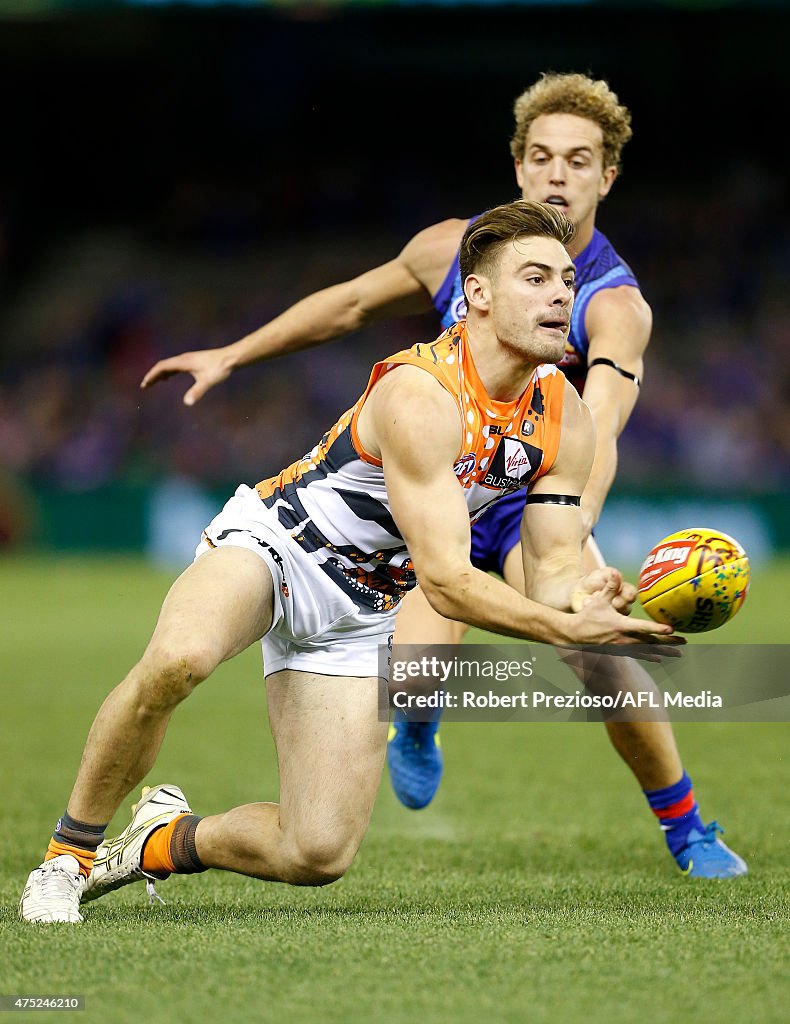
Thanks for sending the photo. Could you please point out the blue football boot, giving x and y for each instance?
(414, 757)
(706, 856)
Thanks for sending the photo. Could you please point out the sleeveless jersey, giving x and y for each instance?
(334, 501)
(597, 267)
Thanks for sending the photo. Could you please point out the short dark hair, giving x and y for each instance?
(485, 237)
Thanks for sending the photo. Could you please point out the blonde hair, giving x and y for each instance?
(484, 239)
(574, 94)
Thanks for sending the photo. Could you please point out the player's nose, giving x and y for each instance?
(557, 171)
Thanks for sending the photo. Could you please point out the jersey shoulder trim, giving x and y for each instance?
(439, 359)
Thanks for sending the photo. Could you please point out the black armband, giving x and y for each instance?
(553, 499)
(603, 361)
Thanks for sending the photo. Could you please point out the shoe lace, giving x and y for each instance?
(58, 883)
(153, 895)
(710, 832)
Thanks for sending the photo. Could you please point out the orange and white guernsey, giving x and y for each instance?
(334, 501)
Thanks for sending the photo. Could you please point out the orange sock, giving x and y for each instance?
(156, 855)
(84, 858)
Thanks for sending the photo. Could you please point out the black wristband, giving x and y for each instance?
(603, 361)
(553, 499)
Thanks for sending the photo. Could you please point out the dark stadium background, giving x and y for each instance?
(173, 178)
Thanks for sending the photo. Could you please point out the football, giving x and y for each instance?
(695, 580)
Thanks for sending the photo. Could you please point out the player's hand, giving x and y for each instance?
(209, 366)
(598, 622)
(608, 580)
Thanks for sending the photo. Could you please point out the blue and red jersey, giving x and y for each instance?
(597, 267)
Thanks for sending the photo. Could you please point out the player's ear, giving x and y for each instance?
(478, 292)
(519, 166)
(607, 180)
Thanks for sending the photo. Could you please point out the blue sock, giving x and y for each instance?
(677, 812)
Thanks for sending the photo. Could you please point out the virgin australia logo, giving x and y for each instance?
(516, 462)
(513, 465)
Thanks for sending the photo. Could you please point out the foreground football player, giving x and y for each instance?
(290, 562)
(567, 143)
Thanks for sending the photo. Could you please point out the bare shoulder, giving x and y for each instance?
(430, 253)
(406, 407)
(624, 306)
(577, 419)
(577, 442)
(571, 467)
(411, 391)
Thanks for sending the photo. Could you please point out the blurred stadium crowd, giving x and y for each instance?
(101, 306)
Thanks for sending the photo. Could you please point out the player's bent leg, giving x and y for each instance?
(217, 607)
(650, 751)
(414, 753)
(330, 751)
(648, 748)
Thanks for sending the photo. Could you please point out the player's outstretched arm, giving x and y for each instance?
(552, 534)
(399, 288)
(412, 424)
(618, 322)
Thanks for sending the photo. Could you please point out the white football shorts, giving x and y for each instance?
(315, 626)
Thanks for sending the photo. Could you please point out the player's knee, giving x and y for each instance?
(320, 860)
(169, 675)
(599, 673)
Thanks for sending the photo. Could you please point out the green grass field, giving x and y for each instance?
(536, 887)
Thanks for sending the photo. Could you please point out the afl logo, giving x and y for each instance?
(465, 464)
